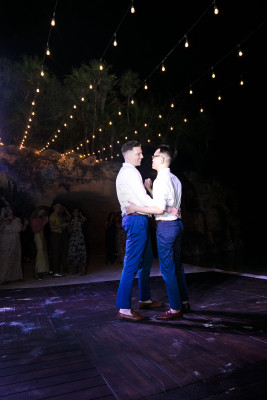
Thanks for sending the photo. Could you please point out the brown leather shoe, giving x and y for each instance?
(148, 306)
(186, 307)
(134, 317)
(169, 315)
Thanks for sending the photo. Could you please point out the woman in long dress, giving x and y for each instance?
(10, 247)
(38, 221)
(77, 250)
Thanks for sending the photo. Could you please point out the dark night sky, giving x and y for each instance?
(85, 28)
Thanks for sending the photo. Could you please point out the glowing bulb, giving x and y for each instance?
(216, 10)
(145, 87)
(82, 99)
(53, 22)
(163, 67)
(37, 90)
(186, 44)
(115, 43)
(42, 73)
(171, 128)
(33, 103)
(145, 124)
(101, 67)
(201, 110)
(74, 106)
(132, 8)
(212, 73)
(47, 51)
(90, 86)
(185, 120)
(110, 122)
(119, 113)
(241, 82)
(219, 98)
(172, 105)
(132, 101)
(190, 91)
(160, 116)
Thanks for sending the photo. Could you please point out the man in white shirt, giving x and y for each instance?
(167, 191)
(138, 251)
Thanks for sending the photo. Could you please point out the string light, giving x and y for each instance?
(163, 67)
(240, 52)
(115, 43)
(190, 90)
(212, 73)
(186, 44)
(216, 10)
(145, 87)
(132, 8)
(47, 50)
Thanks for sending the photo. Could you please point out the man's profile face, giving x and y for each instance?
(135, 156)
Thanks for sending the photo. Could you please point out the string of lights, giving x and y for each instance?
(37, 90)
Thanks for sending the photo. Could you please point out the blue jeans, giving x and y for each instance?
(138, 257)
(169, 238)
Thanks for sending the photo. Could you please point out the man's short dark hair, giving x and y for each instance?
(129, 146)
(166, 149)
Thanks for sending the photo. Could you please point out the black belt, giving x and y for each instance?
(167, 220)
(136, 214)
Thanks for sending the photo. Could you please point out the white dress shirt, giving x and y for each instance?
(167, 191)
(130, 187)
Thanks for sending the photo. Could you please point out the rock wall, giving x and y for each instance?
(209, 208)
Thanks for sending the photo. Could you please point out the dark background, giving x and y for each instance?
(84, 31)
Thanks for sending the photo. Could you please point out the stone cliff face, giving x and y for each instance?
(209, 208)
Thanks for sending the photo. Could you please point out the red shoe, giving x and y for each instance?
(169, 315)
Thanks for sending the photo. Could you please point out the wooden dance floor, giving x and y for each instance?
(65, 342)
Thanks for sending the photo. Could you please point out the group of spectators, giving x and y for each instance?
(57, 235)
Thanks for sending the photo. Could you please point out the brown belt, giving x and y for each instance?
(136, 214)
(168, 220)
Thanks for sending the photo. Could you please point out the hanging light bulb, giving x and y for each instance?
(163, 67)
(47, 50)
(145, 87)
(186, 44)
(201, 110)
(216, 10)
(240, 52)
(115, 43)
(241, 81)
(53, 22)
(190, 90)
(42, 72)
(90, 86)
(219, 97)
(212, 73)
(172, 105)
(132, 101)
(132, 8)
(101, 67)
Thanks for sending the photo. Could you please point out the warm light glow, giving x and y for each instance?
(213, 74)
(74, 106)
(190, 91)
(201, 110)
(33, 103)
(48, 51)
(219, 97)
(110, 122)
(159, 134)
(71, 116)
(42, 73)
(132, 8)
(37, 90)
(172, 105)
(216, 10)
(115, 43)
(136, 132)
(185, 119)
(241, 82)
(145, 87)
(186, 44)
(171, 128)
(163, 68)
(160, 116)
(53, 22)
(132, 101)
(119, 113)
(101, 67)
(145, 124)
(82, 99)
(90, 86)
